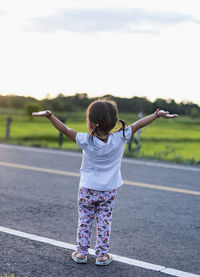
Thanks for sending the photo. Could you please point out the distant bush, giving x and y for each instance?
(32, 107)
(194, 112)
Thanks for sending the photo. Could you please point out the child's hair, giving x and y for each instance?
(104, 114)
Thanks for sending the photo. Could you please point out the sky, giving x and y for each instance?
(144, 48)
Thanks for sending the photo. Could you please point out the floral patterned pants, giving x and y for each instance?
(91, 203)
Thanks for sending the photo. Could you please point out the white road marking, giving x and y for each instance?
(179, 273)
(124, 160)
(42, 150)
(75, 174)
(125, 260)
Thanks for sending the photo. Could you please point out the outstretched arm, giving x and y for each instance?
(70, 133)
(150, 118)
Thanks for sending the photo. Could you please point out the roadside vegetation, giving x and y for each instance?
(175, 140)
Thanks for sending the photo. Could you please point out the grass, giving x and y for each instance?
(175, 140)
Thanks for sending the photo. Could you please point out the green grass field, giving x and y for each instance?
(172, 140)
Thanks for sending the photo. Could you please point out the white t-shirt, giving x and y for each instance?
(101, 162)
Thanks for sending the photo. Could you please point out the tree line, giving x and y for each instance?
(80, 101)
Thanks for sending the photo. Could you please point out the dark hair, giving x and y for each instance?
(104, 114)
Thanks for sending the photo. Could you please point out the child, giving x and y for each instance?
(100, 171)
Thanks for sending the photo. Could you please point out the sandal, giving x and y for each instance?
(106, 262)
(78, 260)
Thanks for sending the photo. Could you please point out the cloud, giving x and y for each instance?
(108, 20)
(3, 12)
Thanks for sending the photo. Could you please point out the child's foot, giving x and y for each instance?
(104, 260)
(79, 258)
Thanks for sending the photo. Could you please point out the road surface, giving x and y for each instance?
(155, 227)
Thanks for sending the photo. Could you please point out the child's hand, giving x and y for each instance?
(165, 114)
(43, 113)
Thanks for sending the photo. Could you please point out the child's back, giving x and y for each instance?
(100, 169)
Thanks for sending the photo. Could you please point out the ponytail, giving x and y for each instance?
(92, 135)
(122, 127)
(94, 131)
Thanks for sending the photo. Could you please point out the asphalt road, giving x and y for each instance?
(156, 226)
